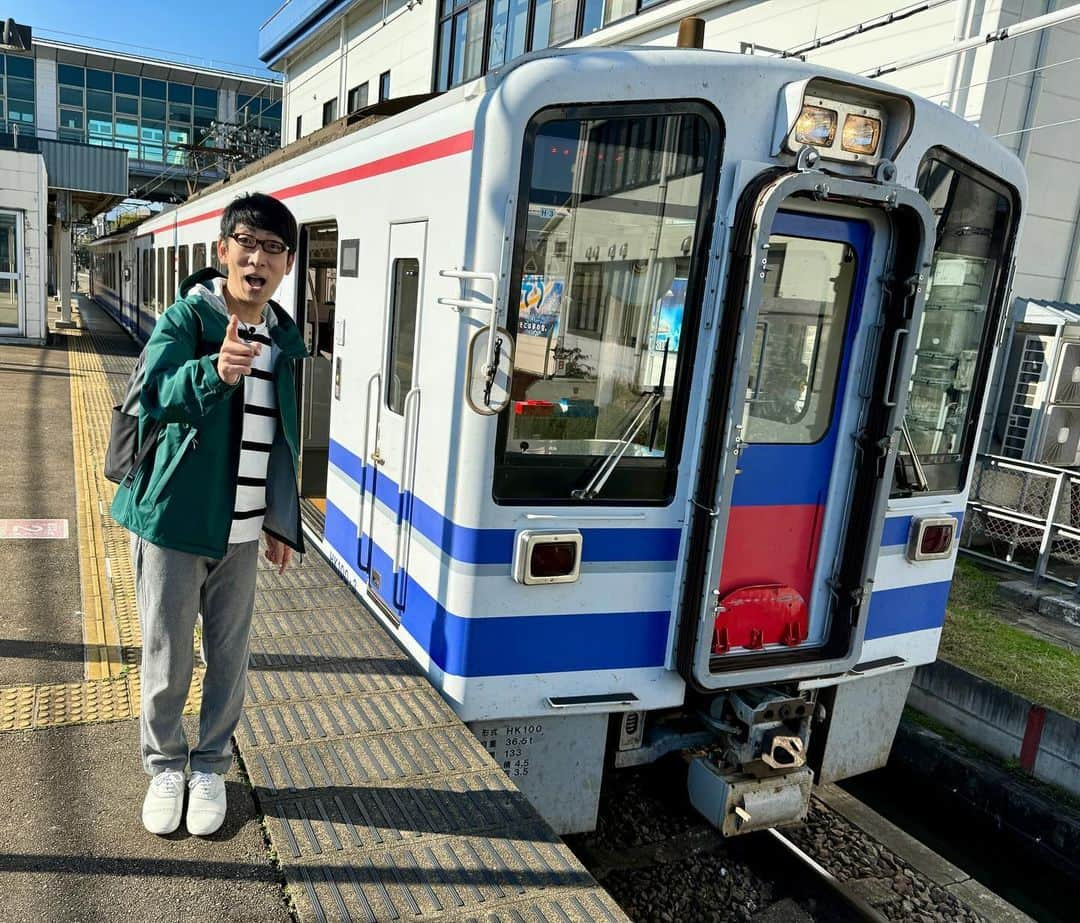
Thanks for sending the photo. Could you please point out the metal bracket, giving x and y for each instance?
(807, 159)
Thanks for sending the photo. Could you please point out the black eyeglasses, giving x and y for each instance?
(248, 242)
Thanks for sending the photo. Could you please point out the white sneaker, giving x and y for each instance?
(164, 802)
(206, 803)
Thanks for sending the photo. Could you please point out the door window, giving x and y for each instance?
(404, 291)
(798, 341)
(10, 268)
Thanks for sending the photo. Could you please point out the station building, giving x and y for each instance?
(101, 126)
(339, 55)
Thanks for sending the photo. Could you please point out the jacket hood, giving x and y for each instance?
(208, 285)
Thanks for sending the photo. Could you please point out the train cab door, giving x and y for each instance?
(393, 423)
(316, 284)
(799, 464)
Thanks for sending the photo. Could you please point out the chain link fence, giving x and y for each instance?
(1025, 516)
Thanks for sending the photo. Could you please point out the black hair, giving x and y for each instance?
(261, 211)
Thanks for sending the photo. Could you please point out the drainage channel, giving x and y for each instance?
(1001, 859)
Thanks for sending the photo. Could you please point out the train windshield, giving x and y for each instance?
(963, 304)
(610, 233)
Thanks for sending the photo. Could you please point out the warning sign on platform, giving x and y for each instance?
(33, 528)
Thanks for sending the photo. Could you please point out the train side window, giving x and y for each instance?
(975, 226)
(609, 260)
(183, 272)
(214, 255)
(405, 278)
(170, 271)
(159, 303)
(198, 257)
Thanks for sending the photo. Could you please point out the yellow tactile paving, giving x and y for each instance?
(110, 622)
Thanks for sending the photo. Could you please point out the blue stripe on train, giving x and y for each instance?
(496, 546)
(501, 646)
(906, 609)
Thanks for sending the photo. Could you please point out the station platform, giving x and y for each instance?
(357, 793)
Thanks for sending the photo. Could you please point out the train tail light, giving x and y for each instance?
(547, 557)
(931, 538)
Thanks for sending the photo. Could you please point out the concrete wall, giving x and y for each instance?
(998, 721)
(24, 188)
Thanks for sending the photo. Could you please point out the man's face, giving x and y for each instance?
(253, 275)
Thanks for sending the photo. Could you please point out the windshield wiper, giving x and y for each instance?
(598, 480)
(920, 475)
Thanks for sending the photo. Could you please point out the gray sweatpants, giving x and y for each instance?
(172, 587)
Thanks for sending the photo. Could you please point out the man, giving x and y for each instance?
(219, 373)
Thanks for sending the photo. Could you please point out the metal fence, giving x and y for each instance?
(1025, 516)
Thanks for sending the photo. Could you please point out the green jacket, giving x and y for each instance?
(184, 498)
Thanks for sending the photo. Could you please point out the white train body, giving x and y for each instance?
(750, 534)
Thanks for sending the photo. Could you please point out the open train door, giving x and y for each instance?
(821, 316)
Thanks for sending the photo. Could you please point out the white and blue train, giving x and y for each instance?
(642, 400)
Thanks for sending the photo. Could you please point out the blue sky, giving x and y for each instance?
(214, 35)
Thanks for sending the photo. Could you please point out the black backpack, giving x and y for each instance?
(124, 456)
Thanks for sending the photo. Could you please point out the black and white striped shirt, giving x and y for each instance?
(260, 424)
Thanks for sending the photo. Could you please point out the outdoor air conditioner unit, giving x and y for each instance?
(1067, 382)
(1061, 437)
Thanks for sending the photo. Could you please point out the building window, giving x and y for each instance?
(463, 26)
(384, 86)
(329, 111)
(358, 97)
(17, 109)
(299, 127)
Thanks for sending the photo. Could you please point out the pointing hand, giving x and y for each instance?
(234, 359)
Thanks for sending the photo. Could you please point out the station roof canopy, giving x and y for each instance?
(96, 177)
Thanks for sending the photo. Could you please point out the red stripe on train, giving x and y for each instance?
(425, 153)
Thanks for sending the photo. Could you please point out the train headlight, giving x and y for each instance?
(816, 126)
(547, 557)
(931, 538)
(861, 135)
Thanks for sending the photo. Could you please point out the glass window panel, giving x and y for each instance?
(442, 80)
(597, 345)
(3, 58)
(593, 16)
(180, 92)
(20, 111)
(71, 75)
(99, 123)
(152, 109)
(797, 347)
(202, 112)
(973, 221)
(67, 134)
(273, 111)
(69, 96)
(179, 112)
(127, 128)
(457, 66)
(541, 25)
(20, 67)
(198, 257)
(242, 99)
(554, 23)
(358, 97)
(153, 131)
(403, 304)
(152, 152)
(126, 83)
(128, 105)
(206, 97)
(179, 135)
(9, 248)
(99, 101)
(384, 86)
(9, 302)
(474, 42)
(19, 88)
(329, 111)
(71, 119)
(202, 121)
(99, 80)
(153, 89)
(618, 9)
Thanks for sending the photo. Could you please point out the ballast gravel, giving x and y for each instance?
(664, 863)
